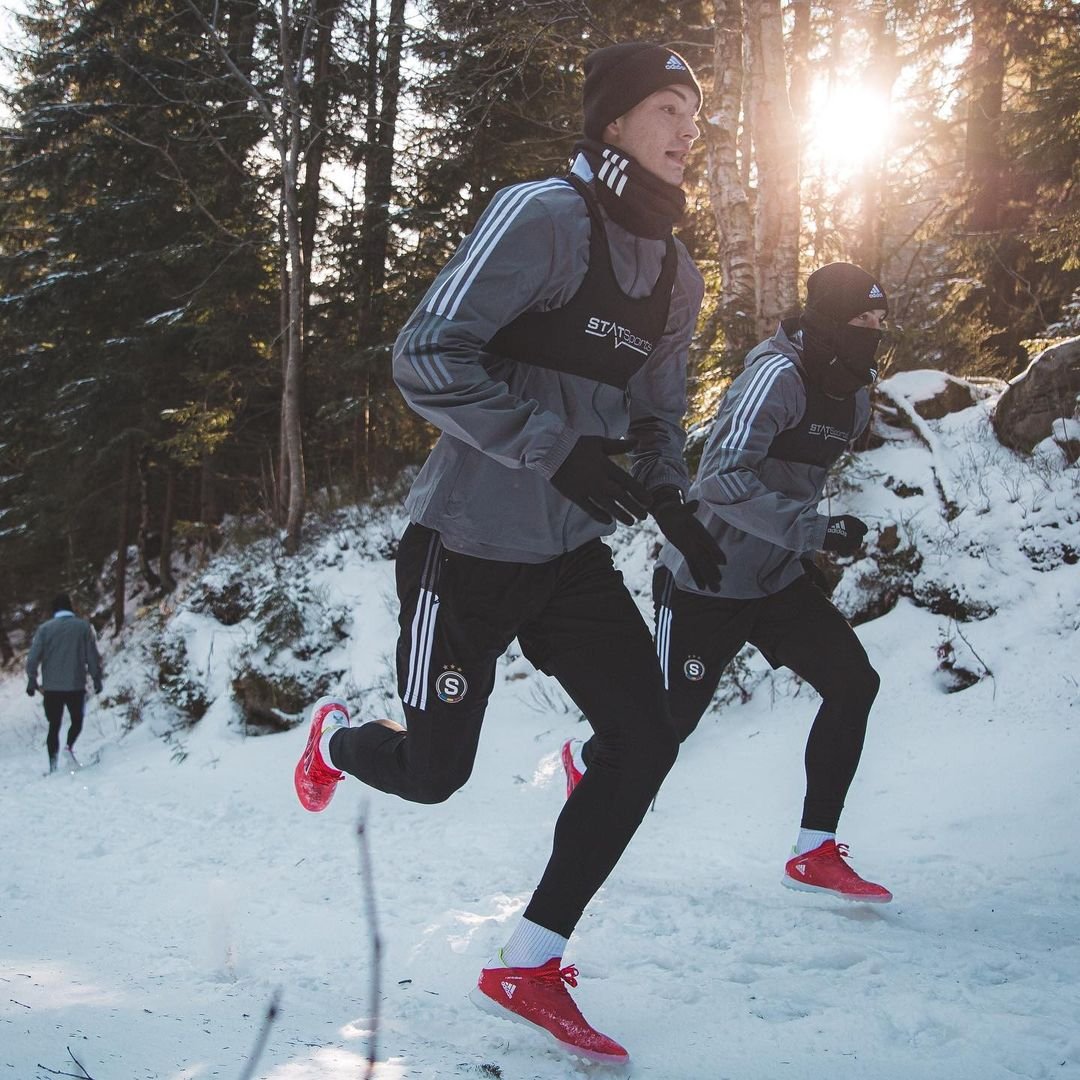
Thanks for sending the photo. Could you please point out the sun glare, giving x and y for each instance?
(847, 127)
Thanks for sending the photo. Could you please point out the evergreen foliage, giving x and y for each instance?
(142, 267)
(136, 291)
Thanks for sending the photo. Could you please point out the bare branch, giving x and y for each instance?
(82, 1074)
(182, 180)
(986, 666)
(253, 91)
(368, 878)
(264, 1033)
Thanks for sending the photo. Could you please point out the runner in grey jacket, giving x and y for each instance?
(65, 650)
(763, 508)
(560, 326)
(799, 403)
(529, 253)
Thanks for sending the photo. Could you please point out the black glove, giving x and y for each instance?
(844, 534)
(698, 546)
(31, 686)
(604, 491)
(97, 686)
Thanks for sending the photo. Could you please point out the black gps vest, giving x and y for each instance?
(822, 433)
(601, 334)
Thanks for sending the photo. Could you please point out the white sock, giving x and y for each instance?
(324, 743)
(530, 945)
(810, 839)
(576, 746)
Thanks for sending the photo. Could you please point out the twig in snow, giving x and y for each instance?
(264, 1033)
(986, 666)
(367, 876)
(81, 1075)
(79, 1063)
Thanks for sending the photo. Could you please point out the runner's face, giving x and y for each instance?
(659, 131)
(873, 320)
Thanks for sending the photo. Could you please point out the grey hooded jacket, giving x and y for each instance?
(762, 510)
(507, 426)
(65, 649)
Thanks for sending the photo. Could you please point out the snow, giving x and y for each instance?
(167, 317)
(154, 903)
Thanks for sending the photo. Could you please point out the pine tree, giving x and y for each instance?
(134, 274)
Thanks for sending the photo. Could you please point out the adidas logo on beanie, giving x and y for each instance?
(840, 291)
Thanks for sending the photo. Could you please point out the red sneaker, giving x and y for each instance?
(538, 997)
(824, 870)
(314, 778)
(573, 773)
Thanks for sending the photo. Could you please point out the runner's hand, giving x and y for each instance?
(697, 545)
(589, 479)
(844, 534)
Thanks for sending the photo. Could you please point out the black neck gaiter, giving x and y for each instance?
(840, 358)
(632, 196)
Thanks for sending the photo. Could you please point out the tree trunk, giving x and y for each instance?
(207, 495)
(281, 488)
(728, 194)
(379, 167)
(382, 103)
(326, 13)
(361, 443)
(983, 162)
(168, 524)
(122, 536)
(293, 383)
(776, 142)
(819, 241)
(800, 61)
(146, 540)
(7, 653)
(872, 182)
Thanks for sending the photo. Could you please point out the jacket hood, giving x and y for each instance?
(781, 342)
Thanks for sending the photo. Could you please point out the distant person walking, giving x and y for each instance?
(66, 650)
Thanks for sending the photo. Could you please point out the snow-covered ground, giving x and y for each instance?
(153, 904)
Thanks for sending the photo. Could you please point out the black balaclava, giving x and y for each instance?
(617, 78)
(839, 356)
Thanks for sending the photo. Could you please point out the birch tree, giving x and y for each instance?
(729, 193)
(752, 170)
(776, 157)
(881, 71)
(303, 30)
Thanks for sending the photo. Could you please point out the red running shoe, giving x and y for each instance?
(314, 778)
(573, 773)
(824, 870)
(538, 997)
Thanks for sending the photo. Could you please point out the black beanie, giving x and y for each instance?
(840, 291)
(61, 602)
(619, 77)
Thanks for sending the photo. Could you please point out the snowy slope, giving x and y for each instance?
(152, 904)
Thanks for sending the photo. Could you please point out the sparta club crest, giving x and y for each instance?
(451, 686)
(694, 669)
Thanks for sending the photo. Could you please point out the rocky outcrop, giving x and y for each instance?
(954, 396)
(1046, 392)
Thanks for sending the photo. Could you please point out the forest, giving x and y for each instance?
(216, 214)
